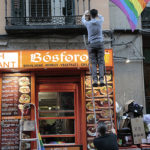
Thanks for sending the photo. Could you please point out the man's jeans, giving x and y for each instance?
(96, 56)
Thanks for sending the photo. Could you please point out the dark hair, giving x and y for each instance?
(93, 13)
(101, 128)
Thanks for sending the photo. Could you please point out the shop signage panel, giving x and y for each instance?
(49, 59)
(9, 60)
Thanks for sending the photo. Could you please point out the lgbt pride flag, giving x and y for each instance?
(41, 143)
(132, 9)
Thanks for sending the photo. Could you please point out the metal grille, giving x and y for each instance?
(45, 12)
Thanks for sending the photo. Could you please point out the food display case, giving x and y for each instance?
(101, 106)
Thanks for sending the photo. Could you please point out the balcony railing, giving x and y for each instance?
(146, 18)
(44, 15)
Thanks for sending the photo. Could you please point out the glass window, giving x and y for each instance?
(56, 117)
(56, 126)
(56, 104)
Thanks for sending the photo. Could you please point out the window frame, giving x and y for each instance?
(60, 87)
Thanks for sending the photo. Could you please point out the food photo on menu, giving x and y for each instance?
(24, 93)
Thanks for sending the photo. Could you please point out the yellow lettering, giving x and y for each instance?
(1, 65)
(2, 55)
(6, 65)
(13, 64)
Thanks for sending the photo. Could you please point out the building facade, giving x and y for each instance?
(47, 28)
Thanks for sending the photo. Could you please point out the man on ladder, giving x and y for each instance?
(96, 45)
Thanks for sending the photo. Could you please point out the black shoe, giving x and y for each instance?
(95, 83)
(102, 83)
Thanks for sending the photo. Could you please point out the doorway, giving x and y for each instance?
(58, 112)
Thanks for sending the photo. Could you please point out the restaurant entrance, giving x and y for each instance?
(59, 105)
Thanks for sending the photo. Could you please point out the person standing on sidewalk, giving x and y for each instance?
(96, 45)
(105, 141)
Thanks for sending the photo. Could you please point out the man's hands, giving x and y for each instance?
(86, 12)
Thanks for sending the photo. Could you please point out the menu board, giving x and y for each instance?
(15, 93)
(101, 107)
(10, 134)
(10, 96)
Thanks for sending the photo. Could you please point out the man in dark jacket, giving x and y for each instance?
(105, 141)
(96, 45)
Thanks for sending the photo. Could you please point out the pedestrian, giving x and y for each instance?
(96, 45)
(105, 141)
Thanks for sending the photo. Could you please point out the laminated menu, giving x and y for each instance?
(10, 134)
(16, 91)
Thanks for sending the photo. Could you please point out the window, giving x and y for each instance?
(49, 11)
(57, 117)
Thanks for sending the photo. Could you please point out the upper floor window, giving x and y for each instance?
(43, 8)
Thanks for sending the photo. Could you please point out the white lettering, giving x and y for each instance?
(76, 57)
(69, 58)
(55, 58)
(84, 58)
(47, 58)
(62, 55)
(36, 57)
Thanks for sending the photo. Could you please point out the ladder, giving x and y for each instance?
(28, 126)
(93, 99)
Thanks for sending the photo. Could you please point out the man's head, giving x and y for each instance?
(101, 128)
(93, 13)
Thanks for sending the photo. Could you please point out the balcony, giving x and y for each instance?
(146, 18)
(45, 16)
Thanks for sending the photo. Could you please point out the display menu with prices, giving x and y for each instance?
(101, 106)
(10, 134)
(16, 91)
(10, 94)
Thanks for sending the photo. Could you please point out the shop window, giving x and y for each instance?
(57, 117)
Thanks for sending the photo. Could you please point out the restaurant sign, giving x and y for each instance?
(49, 59)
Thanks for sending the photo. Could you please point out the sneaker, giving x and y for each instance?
(102, 83)
(95, 83)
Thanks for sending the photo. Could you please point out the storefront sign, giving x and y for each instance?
(9, 60)
(49, 59)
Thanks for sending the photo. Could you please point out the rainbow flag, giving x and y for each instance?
(41, 143)
(132, 9)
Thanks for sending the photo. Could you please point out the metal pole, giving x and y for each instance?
(54, 6)
(42, 8)
(48, 8)
(83, 6)
(35, 7)
(5, 8)
(78, 6)
(89, 7)
(60, 7)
